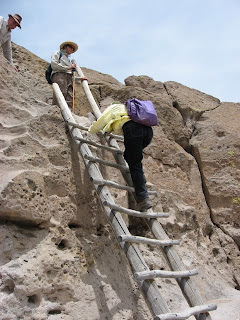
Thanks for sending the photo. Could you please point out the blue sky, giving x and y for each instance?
(194, 42)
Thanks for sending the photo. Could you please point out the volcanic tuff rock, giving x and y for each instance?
(58, 256)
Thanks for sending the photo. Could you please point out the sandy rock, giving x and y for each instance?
(216, 147)
(191, 103)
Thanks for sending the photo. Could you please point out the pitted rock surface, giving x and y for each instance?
(59, 258)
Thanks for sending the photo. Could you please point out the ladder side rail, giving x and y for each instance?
(150, 290)
(88, 94)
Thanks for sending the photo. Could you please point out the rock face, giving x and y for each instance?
(58, 255)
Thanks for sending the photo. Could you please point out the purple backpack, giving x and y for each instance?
(142, 112)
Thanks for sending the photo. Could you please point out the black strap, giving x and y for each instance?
(60, 55)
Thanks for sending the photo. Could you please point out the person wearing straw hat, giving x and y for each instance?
(6, 27)
(62, 70)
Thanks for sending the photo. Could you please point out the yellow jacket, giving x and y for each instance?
(111, 120)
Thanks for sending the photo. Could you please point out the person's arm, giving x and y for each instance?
(58, 64)
(102, 121)
(7, 50)
(1, 22)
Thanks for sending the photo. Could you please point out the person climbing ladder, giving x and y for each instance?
(136, 137)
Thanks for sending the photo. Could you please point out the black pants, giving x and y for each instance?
(136, 138)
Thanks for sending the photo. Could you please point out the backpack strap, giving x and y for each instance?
(60, 55)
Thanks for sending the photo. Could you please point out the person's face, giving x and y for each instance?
(12, 24)
(69, 49)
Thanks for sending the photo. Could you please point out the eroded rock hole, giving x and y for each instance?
(55, 311)
(64, 244)
(9, 287)
(215, 252)
(73, 226)
(34, 300)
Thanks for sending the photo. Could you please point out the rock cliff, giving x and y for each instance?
(58, 255)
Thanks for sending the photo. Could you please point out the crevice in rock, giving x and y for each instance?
(166, 90)
(26, 224)
(237, 286)
(208, 230)
(100, 92)
(190, 121)
(204, 188)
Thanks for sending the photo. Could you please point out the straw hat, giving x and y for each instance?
(70, 43)
(17, 18)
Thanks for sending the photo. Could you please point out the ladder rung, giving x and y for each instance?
(110, 136)
(76, 77)
(144, 240)
(107, 163)
(115, 136)
(99, 145)
(134, 212)
(75, 125)
(164, 274)
(116, 185)
(187, 313)
(111, 184)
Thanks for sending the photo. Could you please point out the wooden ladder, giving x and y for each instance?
(129, 243)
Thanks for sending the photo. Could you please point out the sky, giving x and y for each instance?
(193, 42)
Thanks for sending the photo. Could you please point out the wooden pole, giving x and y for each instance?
(73, 102)
(88, 94)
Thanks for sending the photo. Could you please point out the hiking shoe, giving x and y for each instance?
(144, 204)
